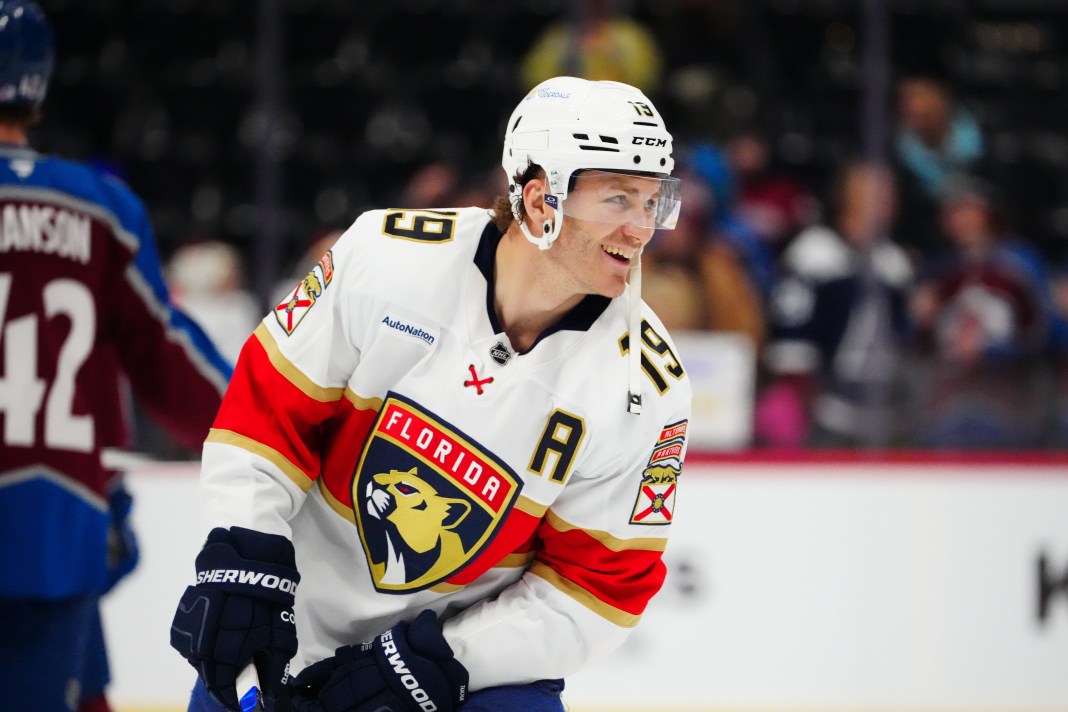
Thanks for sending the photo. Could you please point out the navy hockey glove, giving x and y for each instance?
(240, 609)
(123, 553)
(409, 668)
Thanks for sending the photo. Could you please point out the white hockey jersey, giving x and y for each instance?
(381, 419)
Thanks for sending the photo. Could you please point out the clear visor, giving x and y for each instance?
(625, 199)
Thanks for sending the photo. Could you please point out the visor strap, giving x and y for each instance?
(634, 363)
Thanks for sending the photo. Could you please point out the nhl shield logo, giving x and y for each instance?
(500, 353)
(427, 498)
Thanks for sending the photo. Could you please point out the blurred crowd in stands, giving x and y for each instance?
(913, 298)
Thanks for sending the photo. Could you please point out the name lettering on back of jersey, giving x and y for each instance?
(291, 311)
(47, 230)
(427, 498)
(655, 503)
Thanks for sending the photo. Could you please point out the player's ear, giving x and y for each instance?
(535, 209)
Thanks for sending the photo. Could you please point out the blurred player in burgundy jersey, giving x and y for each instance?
(81, 299)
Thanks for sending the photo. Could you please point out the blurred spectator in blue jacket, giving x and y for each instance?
(937, 137)
(725, 224)
(838, 315)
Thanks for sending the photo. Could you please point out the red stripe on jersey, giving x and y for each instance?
(515, 537)
(263, 405)
(625, 579)
(343, 439)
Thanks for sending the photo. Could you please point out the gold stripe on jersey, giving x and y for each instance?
(606, 539)
(342, 509)
(444, 588)
(516, 561)
(587, 599)
(512, 561)
(293, 374)
(229, 437)
(361, 403)
(529, 506)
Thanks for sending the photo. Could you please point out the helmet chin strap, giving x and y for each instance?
(634, 363)
(545, 241)
(550, 229)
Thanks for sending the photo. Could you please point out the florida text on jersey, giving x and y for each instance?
(423, 463)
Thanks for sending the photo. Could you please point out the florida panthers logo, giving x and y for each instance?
(426, 498)
(418, 523)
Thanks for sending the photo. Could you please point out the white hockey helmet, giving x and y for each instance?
(567, 124)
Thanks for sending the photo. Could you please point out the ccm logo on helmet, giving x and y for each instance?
(648, 141)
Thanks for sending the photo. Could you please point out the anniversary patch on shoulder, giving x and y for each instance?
(655, 503)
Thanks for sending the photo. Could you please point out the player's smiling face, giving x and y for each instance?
(604, 230)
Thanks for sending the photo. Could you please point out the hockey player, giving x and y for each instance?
(457, 440)
(81, 298)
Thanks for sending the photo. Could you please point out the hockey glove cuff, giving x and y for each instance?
(123, 552)
(240, 609)
(409, 668)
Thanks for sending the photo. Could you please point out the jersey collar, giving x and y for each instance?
(579, 318)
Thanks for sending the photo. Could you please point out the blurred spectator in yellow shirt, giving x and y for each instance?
(598, 44)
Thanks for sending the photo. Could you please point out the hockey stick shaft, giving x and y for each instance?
(248, 690)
